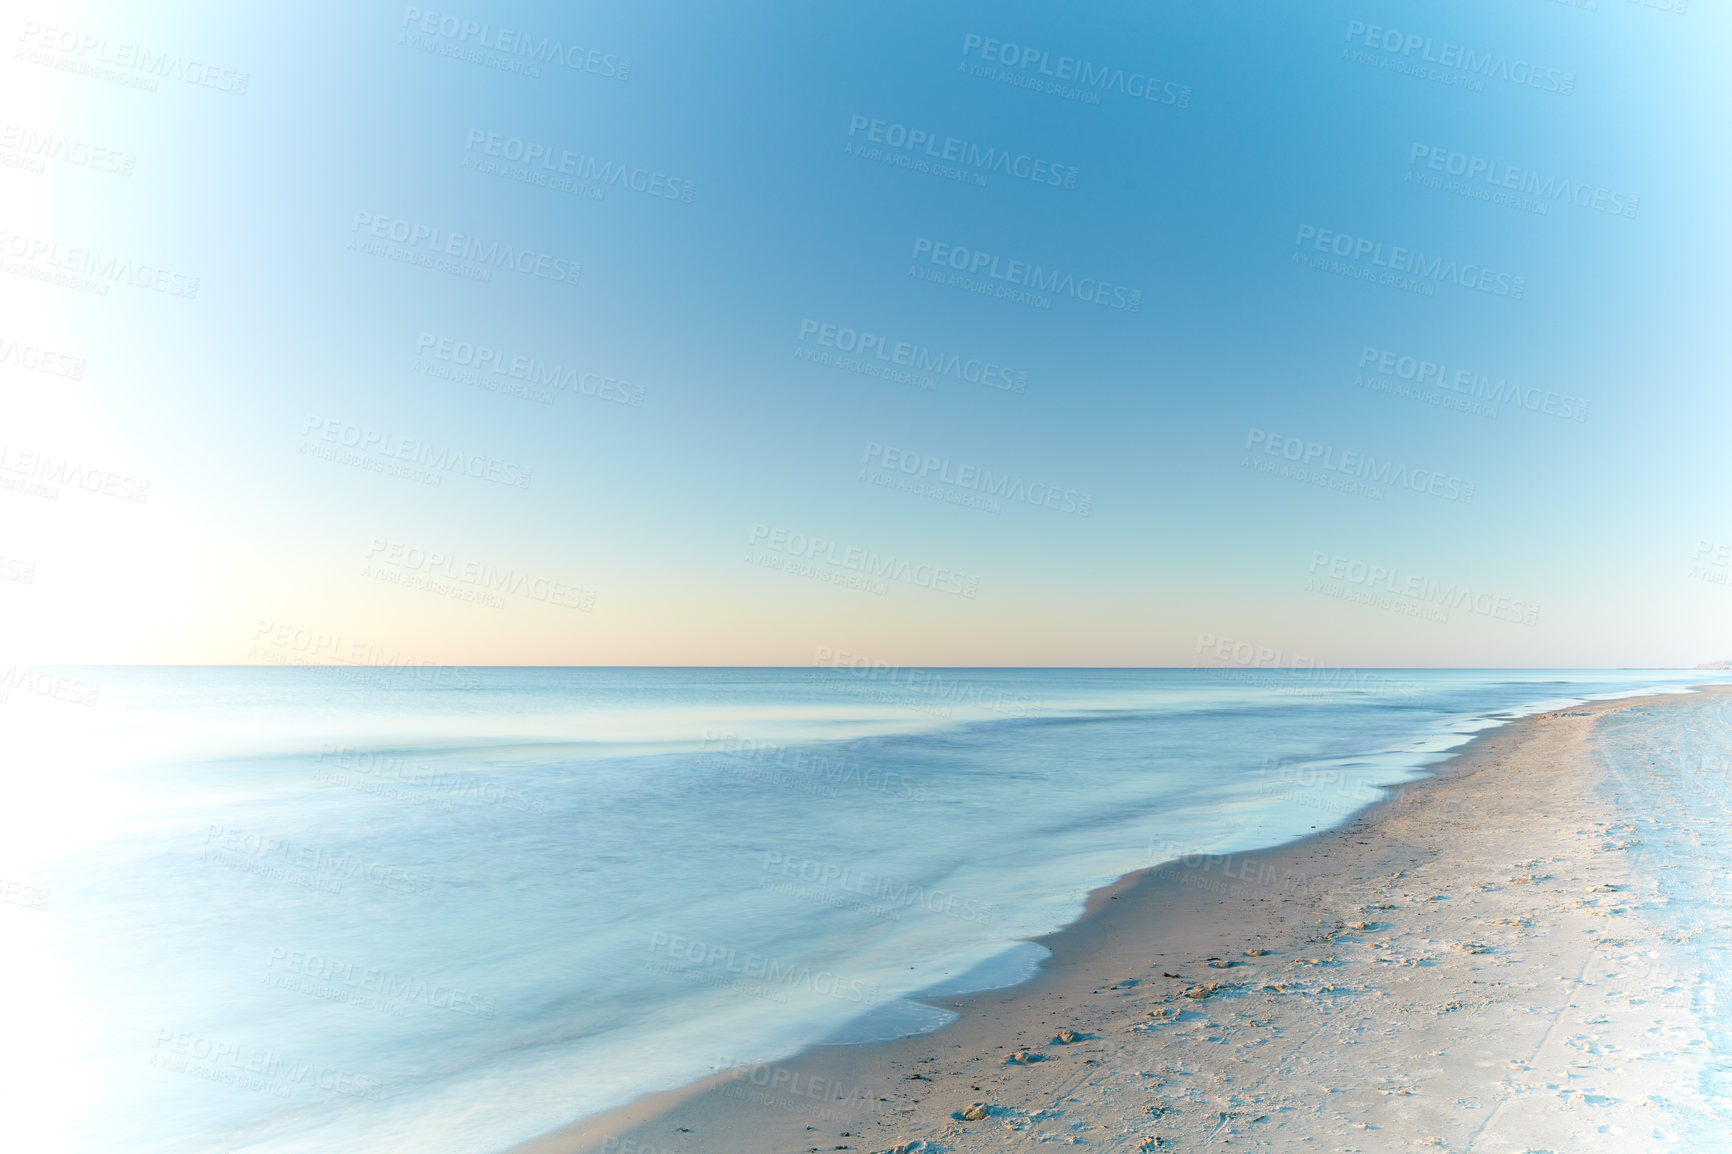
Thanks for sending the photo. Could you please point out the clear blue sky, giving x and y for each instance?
(1428, 252)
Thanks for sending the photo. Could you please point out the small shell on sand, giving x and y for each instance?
(1067, 1036)
(1023, 1058)
(976, 1112)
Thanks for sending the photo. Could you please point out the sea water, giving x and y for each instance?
(362, 909)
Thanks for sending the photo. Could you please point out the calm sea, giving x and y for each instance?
(361, 909)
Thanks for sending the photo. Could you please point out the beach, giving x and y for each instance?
(555, 904)
(1485, 960)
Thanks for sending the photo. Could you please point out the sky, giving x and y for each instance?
(1356, 333)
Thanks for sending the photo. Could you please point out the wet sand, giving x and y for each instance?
(1463, 966)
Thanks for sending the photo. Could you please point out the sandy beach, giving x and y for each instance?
(1464, 966)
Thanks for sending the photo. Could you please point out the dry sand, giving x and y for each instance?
(1463, 967)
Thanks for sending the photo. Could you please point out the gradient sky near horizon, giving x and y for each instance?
(674, 488)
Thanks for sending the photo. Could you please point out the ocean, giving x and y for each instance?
(344, 909)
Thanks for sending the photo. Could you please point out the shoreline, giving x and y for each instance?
(1161, 980)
